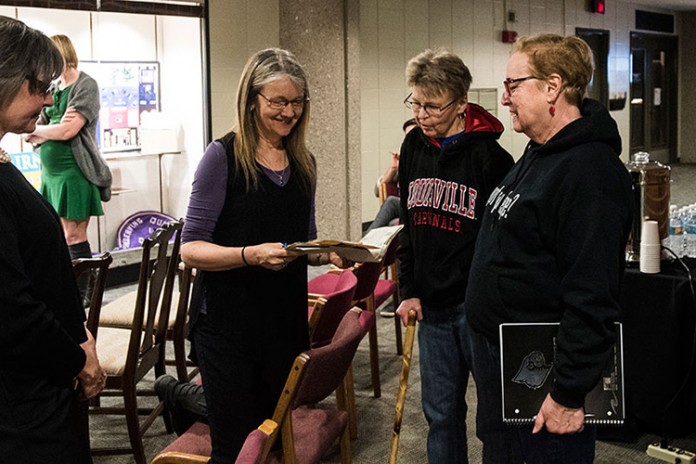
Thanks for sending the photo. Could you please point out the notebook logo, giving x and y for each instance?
(533, 371)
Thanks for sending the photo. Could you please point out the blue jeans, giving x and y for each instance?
(387, 213)
(508, 444)
(445, 360)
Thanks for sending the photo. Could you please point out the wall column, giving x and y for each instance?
(324, 35)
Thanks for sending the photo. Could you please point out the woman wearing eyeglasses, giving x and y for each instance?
(556, 230)
(252, 192)
(48, 360)
(74, 176)
(448, 166)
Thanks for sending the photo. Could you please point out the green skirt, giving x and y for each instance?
(64, 185)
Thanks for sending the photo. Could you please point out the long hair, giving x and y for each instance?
(25, 54)
(262, 68)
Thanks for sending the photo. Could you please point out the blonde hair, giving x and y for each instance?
(262, 68)
(439, 71)
(67, 49)
(570, 57)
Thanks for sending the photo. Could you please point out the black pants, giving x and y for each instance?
(241, 389)
(41, 422)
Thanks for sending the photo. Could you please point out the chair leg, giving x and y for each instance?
(180, 358)
(374, 363)
(346, 457)
(130, 402)
(349, 389)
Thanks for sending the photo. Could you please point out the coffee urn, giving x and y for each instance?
(651, 182)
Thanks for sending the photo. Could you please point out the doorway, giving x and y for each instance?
(598, 40)
(653, 96)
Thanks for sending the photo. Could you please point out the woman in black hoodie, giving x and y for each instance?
(551, 248)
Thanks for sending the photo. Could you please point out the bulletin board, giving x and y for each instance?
(127, 88)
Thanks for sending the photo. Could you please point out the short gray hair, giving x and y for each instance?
(439, 71)
(25, 54)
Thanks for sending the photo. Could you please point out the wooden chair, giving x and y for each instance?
(387, 287)
(119, 314)
(403, 384)
(98, 268)
(128, 354)
(178, 330)
(307, 432)
(387, 189)
(368, 274)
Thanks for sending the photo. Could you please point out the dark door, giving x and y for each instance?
(654, 96)
(598, 40)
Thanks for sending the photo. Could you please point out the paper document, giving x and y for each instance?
(370, 249)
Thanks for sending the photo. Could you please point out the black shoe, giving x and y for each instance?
(184, 401)
(389, 311)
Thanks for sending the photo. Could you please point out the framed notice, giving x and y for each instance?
(127, 89)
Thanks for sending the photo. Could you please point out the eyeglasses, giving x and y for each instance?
(41, 87)
(430, 110)
(281, 103)
(507, 82)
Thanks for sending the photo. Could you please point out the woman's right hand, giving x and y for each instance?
(271, 256)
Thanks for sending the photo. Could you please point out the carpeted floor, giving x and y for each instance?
(375, 415)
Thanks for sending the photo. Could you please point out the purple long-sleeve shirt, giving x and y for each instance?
(208, 196)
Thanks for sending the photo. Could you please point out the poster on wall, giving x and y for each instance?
(127, 89)
(29, 163)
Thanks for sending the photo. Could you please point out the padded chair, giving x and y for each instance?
(307, 432)
(119, 314)
(128, 354)
(389, 288)
(98, 268)
(330, 298)
(403, 384)
(368, 274)
(387, 189)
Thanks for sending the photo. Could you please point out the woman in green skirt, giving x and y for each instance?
(74, 177)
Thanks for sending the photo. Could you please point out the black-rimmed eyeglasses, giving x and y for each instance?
(281, 103)
(430, 110)
(509, 81)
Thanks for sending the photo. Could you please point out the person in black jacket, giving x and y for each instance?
(448, 166)
(48, 360)
(553, 251)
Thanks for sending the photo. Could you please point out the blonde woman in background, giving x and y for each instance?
(74, 177)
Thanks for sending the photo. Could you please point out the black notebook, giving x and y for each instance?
(527, 368)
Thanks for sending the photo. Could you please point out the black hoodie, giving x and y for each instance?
(552, 246)
(443, 191)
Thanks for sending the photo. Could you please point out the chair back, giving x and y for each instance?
(368, 275)
(97, 267)
(336, 303)
(387, 189)
(328, 365)
(391, 254)
(155, 285)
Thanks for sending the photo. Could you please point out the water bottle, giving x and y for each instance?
(690, 234)
(675, 240)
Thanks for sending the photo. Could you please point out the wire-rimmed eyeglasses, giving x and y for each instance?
(509, 81)
(430, 110)
(281, 103)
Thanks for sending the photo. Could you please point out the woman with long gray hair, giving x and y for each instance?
(252, 192)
